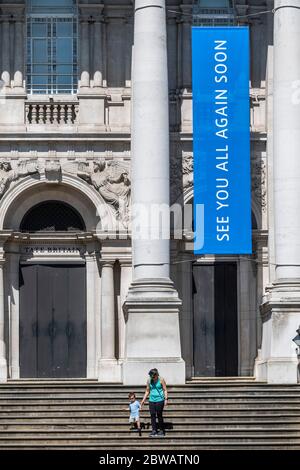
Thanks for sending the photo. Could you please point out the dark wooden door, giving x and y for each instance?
(52, 321)
(215, 319)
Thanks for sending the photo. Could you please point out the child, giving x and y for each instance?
(134, 408)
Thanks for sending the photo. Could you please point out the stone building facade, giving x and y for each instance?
(66, 178)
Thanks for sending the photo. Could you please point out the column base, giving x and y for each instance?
(277, 362)
(152, 332)
(135, 372)
(15, 372)
(3, 370)
(280, 370)
(109, 371)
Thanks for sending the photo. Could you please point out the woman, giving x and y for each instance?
(158, 398)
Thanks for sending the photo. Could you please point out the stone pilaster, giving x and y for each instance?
(98, 52)
(108, 370)
(6, 71)
(85, 53)
(3, 352)
(19, 52)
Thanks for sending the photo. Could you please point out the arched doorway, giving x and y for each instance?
(52, 325)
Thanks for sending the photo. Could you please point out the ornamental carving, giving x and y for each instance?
(111, 179)
(181, 175)
(259, 182)
(8, 174)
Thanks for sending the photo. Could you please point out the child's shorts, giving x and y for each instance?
(134, 419)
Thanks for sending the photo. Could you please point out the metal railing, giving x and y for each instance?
(213, 16)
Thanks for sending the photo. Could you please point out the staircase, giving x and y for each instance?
(201, 415)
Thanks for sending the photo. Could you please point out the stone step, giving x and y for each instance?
(189, 403)
(206, 412)
(190, 406)
(110, 438)
(147, 446)
(123, 397)
(61, 385)
(121, 429)
(177, 421)
(226, 387)
(87, 415)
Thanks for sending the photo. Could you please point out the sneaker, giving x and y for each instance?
(153, 434)
(140, 432)
(161, 434)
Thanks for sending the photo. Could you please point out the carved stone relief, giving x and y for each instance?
(111, 179)
(259, 182)
(181, 175)
(8, 174)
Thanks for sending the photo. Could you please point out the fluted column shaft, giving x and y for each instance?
(3, 362)
(19, 53)
(85, 54)
(5, 53)
(98, 53)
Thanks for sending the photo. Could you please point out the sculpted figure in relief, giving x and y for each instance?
(8, 175)
(113, 183)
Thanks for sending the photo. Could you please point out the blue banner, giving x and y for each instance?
(221, 116)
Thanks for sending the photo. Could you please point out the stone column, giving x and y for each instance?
(14, 259)
(5, 53)
(85, 54)
(91, 314)
(19, 53)
(126, 279)
(152, 333)
(281, 310)
(108, 370)
(3, 360)
(98, 53)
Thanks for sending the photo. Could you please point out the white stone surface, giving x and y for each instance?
(287, 138)
(3, 360)
(281, 311)
(150, 133)
(152, 304)
(102, 129)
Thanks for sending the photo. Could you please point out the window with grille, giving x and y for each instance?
(52, 49)
(52, 216)
(213, 13)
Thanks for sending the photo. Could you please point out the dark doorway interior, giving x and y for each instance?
(215, 319)
(52, 321)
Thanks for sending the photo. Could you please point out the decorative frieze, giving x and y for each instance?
(111, 178)
(8, 174)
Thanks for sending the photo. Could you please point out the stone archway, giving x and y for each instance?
(63, 249)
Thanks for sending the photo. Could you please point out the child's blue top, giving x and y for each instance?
(134, 409)
(156, 391)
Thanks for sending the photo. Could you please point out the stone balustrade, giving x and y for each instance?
(60, 113)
